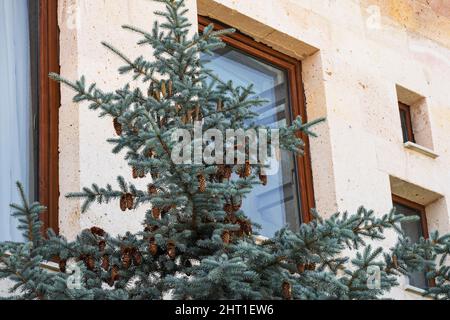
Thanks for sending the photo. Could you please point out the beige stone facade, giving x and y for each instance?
(359, 58)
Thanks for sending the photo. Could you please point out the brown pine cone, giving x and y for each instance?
(137, 257)
(170, 89)
(165, 210)
(102, 245)
(115, 273)
(129, 201)
(220, 170)
(157, 95)
(126, 258)
(151, 88)
(154, 175)
(286, 290)
(123, 203)
(135, 174)
(219, 105)
(231, 218)
(237, 206)
(226, 237)
(150, 153)
(153, 247)
(201, 183)
(301, 268)
(247, 169)
(228, 208)
(395, 261)
(263, 179)
(89, 261)
(117, 126)
(105, 262)
(98, 231)
(152, 189)
(62, 265)
(227, 172)
(246, 227)
(156, 212)
(171, 250)
(311, 266)
(163, 88)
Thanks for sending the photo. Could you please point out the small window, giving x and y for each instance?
(415, 121)
(405, 118)
(415, 231)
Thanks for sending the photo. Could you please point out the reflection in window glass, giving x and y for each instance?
(414, 231)
(277, 204)
(403, 120)
(18, 91)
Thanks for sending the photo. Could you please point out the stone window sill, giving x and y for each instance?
(420, 149)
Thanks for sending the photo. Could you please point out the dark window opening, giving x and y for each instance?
(405, 118)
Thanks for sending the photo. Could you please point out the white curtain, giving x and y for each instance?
(15, 107)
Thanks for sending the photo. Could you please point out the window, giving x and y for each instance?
(415, 121)
(288, 196)
(30, 102)
(405, 118)
(415, 231)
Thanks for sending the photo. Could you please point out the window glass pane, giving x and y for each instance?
(17, 159)
(277, 204)
(403, 119)
(414, 231)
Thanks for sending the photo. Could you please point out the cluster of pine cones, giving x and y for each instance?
(156, 250)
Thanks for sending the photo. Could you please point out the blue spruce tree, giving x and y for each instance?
(196, 242)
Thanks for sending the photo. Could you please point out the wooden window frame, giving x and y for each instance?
(409, 127)
(293, 68)
(415, 206)
(49, 103)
